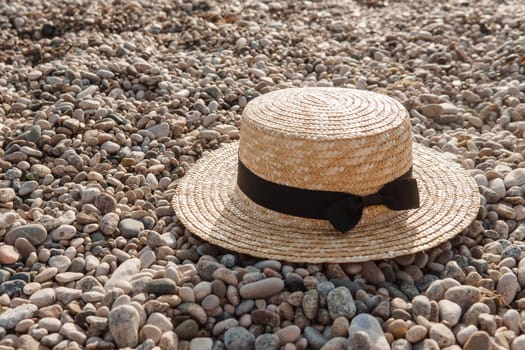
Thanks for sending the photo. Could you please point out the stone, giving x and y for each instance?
(43, 297)
(262, 289)
(442, 335)
(123, 273)
(36, 234)
(160, 130)
(340, 327)
(517, 344)
(416, 333)
(7, 219)
(288, 334)
(188, 329)
(508, 286)
(449, 312)
(73, 332)
(10, 317)
(310, 303)
(130, 228)
(464, 334)
(123, 324)
(337, 343)
(109, 223)
(63, 232)
(464, 296)
(370, 326)
(477, 341)
(238, 338)
(169, 341)
(8, 254)
(7, 195)
(267, 342)
(315, 339)
(515, 178)
(105, 203)
(398, 328)
(27, 187)
(341, 303)
(421, 306)
(201, 344)
(372, 273)
(161, 286)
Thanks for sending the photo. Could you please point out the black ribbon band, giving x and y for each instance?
(343, 210)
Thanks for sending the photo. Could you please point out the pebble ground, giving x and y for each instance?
(105, 105)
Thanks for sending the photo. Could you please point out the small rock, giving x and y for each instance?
(65, 232)
(262, 289)
(508, 286)
(105, 203)
(515, 178)
(201, 344)
(416, 334)
(188, 329)
(477, 341)
(36, 234)
(124, 325)
(267, 342)
(341, 303)
(464, 296)
(370, 326)
(289, 334)
(517, 344)
(239, 338)
(6, 195)
(8, 255)
(449, 312)
(442, 335)
(315, 339)
(130, 228)
(161, 286)
(10, 317)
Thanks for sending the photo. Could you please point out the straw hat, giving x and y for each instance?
(326, 175)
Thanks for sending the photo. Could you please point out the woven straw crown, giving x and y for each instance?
(326, 139)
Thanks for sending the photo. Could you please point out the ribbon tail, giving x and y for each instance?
(344, 214)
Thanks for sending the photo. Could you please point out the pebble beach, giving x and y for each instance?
(105, 105)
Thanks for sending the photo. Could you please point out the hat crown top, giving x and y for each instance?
(326, 113)
(330, 139)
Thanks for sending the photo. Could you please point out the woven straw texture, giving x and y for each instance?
(323, 138)
(209, 204)
(330, 139)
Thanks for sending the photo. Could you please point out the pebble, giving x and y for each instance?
(464, 296)
(36, 234)
(8, 254)
(288, 334)
(187, 329)
(478, 340)
(201, 344)
(130, 227)
(267, 342)
(442, 335)
(449, 312)
(262, 289)
(238, 338)
(341, 303)
(508, 286)
(123, 324)
(10, 317)
(315, 339)
(368, 324)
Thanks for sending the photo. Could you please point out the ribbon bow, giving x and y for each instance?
(400, 194)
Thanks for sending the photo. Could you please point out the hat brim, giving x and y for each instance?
(209, 205)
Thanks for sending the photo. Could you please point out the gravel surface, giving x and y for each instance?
(104, 106)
